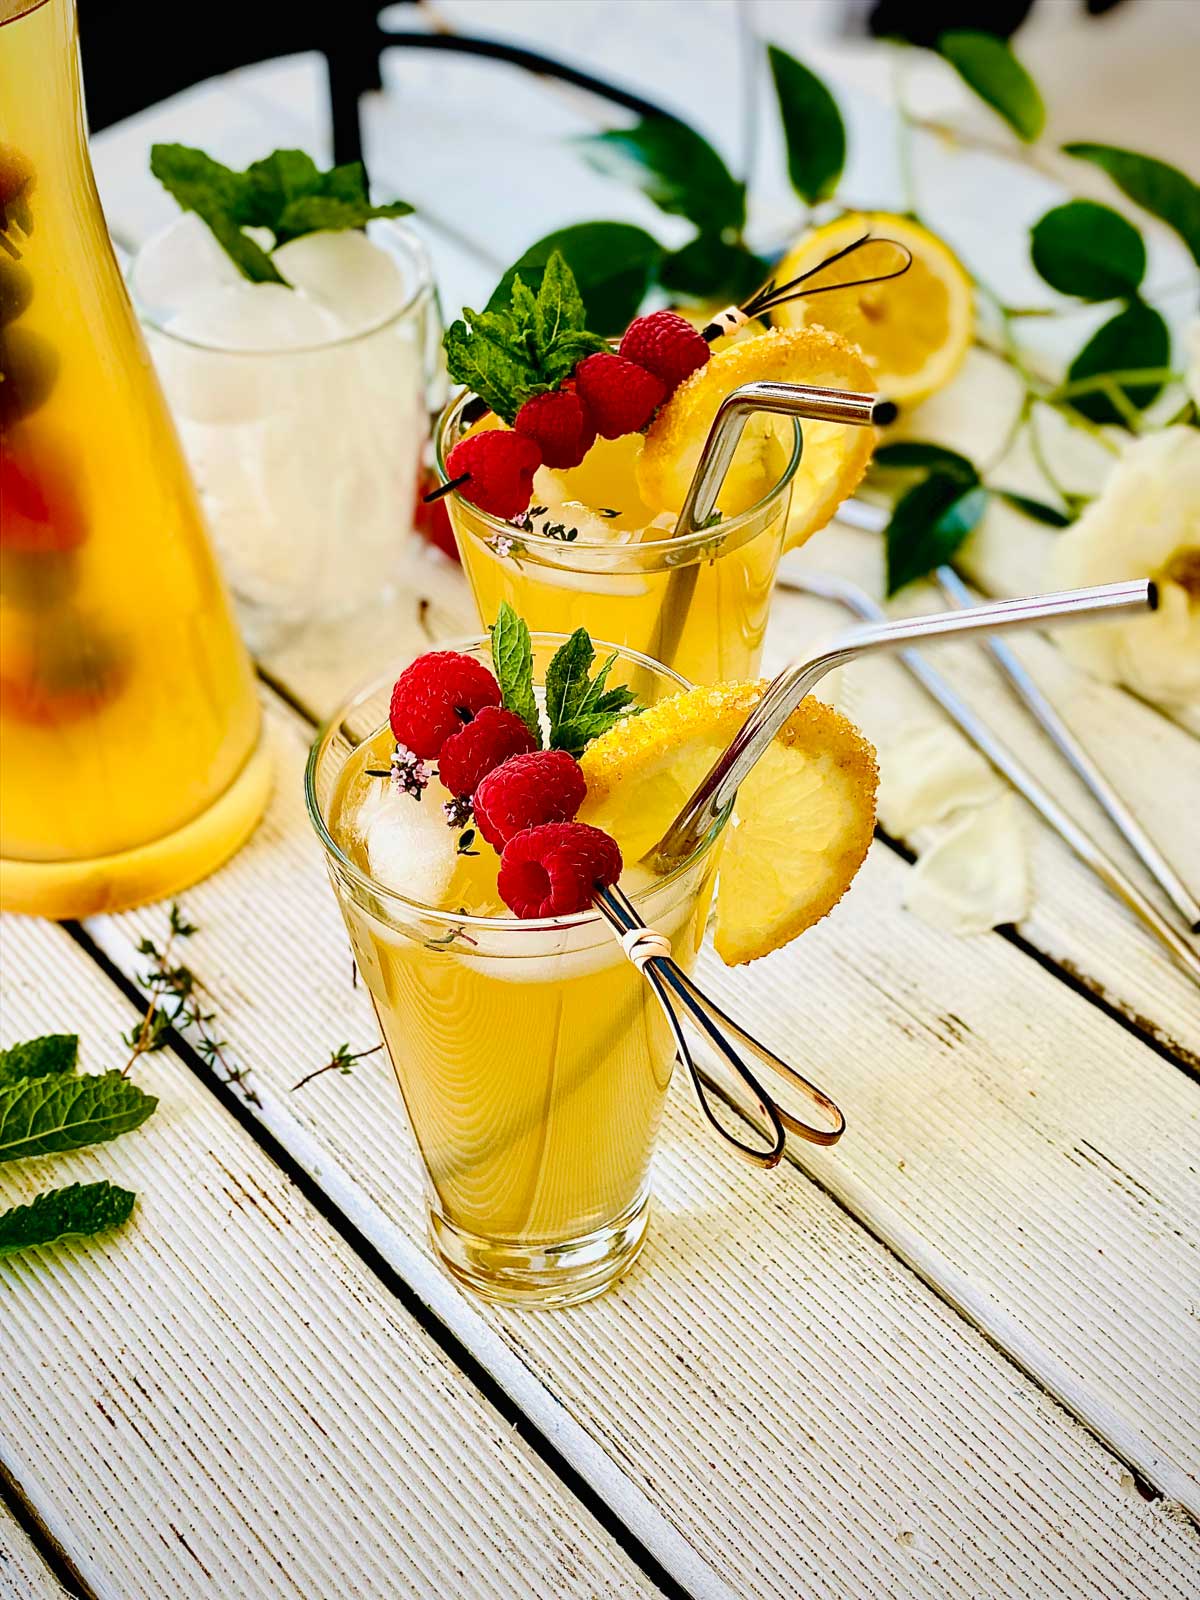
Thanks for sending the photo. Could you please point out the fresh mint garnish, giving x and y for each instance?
(507, 354)
(44, 1116)
(512, 658)
(286, 193)
(580, 708)
(74, 1212)
(49, 1056)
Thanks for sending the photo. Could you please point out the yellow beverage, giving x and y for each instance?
(698, 603)
(532, 1057)
(129, 722)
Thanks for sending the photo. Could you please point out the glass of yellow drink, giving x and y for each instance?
(532, 1057)
(129, 721)
(595, 556)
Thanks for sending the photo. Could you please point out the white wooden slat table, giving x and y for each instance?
(956, 1356)
(24, 1575)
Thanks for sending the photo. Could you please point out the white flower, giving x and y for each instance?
(1145, 524)
(1191, 377)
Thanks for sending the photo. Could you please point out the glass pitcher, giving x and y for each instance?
(131, 760)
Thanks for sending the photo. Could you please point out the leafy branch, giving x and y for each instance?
(340, 1060)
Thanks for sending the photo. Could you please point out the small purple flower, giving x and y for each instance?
(457, 811)
(501, 545)
(409, 772)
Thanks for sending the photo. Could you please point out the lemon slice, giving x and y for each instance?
(835, 456)
(803, 820)
(915, 330)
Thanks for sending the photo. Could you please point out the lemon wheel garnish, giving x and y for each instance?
(835, 456)
(802, 823)
(915, 329)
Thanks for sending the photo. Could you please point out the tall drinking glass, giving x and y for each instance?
(698, 603)
(532, 1057)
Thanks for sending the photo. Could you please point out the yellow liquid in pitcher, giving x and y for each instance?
(533, 1066)
(706, 619)
(127, 703)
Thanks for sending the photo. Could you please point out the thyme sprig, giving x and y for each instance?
(340, 1060)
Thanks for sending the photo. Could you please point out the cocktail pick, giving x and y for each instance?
(680, 999)
(770, 295)
(785, 692)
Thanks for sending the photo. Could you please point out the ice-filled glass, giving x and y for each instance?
(698, 603)
(129, 723)
(531, 1055)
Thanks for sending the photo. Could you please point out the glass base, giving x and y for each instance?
(543, 1274)
(60, 889)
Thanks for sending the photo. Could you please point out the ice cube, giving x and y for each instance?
(409, 846)
(178, 263)
(345, 273)
(246, 316)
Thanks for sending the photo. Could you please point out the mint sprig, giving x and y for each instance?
(44, 1116)
(507, 354)
(512, 657)
(76, 1211)
(579, 707)
(286, 193)
(47, 1056)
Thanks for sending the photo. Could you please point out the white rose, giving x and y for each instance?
(1145, 524)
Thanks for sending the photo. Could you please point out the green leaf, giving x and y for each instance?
(1133, 340)
(1158, 188)
(490, 368)
(48, 1056)
(267, 187)
(1088, 250)
(323, 213)
(1037, 509)
(580, 708)
(987, 65)
(710, 268)
(512, 657)
(927, 526)
(43, 1116)
(613, 264)
(74, 1212)
(676, 168)
(218, 197)
(906, 453)
(569, 350)
(812, 128)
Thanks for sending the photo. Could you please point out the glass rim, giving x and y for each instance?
(497, 527)
(423, 288)
(460, 919)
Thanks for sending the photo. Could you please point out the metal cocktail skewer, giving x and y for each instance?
(650, 952)
(786, 691)
(1009, 766)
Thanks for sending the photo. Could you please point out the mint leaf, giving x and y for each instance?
(916, 453)
(676, 168)
(1088, 250)
(927, 526)
(569, 350)
(323, 213)
(498, 374)
(558, 308)
(1157, 187)
(988, 66)
(43, 1116)
(48, 1056)
(219, 198)
(1051, 516)
(580, 708)
(613, 264)
(812, 128)
(512, 657)
(267, 186)
(1134, 339)
(74, 1212)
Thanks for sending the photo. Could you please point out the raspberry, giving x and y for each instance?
(621, 396)
(499, 467)
(545, 786)
(554, 870)
(39, 514)
(469, 755)
(559, 424)
(434, 698)
(666, 345)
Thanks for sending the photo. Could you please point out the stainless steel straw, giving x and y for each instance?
(650, 952)
(786, 691)
(1001, 757)
(787, 399)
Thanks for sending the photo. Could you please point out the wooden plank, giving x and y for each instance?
(23, 1573)
(220, 1399)
(769, 1353)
